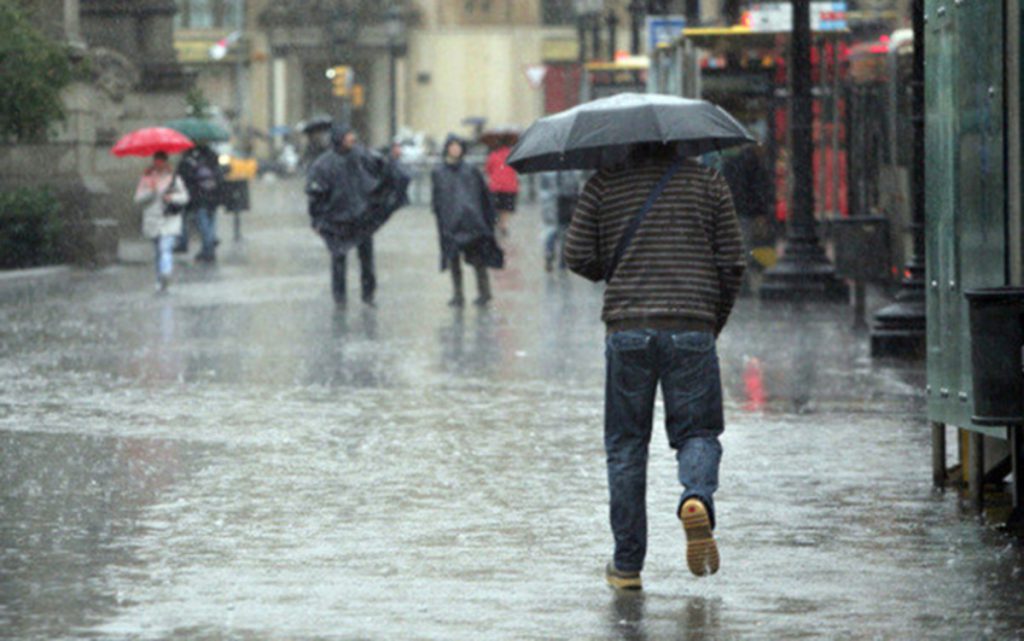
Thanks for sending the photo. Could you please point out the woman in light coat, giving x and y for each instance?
(163, 196)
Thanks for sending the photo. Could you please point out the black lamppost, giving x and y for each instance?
(900, 328)
(804, 272)
(612, 20)
(637, 11)
(395, 24)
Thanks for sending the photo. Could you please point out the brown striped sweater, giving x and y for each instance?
(685, 264)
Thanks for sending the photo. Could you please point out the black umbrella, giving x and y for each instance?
(316, 123)
(601, 133)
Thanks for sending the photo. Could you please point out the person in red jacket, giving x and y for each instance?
(503, 184)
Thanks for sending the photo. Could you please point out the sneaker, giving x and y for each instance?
(162, 283)
(621, 580)
(457, 301)
(701, 550)
(482, 301)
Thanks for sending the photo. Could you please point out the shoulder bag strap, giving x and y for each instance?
(634, 225)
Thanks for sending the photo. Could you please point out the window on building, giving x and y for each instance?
(557, 12)
(210, 14)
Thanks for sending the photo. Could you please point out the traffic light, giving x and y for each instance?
(341, 78)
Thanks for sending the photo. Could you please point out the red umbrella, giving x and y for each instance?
(148, 141)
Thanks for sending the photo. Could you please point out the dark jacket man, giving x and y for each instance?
(669, 297)
(340, 185)
(200, 169)
(465, 220)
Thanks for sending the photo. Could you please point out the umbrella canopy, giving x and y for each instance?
(499, 136)
(601, 133)
(317, 123)
(148, 141)
(200, 130)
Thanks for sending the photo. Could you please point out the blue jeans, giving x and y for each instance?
(686, 365)
(554, 241)
(206, 220)
(164, 254)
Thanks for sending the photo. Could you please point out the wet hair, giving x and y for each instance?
(338, 132)
(160, 155)
(451, 140)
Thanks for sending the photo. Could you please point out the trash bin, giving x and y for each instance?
(997, 349)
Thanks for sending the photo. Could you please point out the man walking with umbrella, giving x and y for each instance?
(660, 229)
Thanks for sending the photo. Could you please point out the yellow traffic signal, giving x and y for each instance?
(358, 96)
(341, 78)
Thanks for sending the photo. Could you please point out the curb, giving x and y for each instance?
(16, 282)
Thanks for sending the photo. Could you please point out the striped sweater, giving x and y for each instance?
(685, 264)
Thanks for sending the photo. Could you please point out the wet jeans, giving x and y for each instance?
(206, 220)
(686, 365)
(554, 242)
(164, 254)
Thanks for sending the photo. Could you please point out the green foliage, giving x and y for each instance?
(31, 228)
(198, 103)
(33, 71)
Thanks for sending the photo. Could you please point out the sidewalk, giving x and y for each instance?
(238, 459)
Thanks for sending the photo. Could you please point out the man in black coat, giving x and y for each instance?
(343, 184)
(465, 221)
(200, 169)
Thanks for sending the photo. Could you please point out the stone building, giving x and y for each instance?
(133, 81)
(455, 59)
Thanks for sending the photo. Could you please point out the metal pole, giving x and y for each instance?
(803, 273)
(976, 472)
(802, 125)
(836, 167)
(821, 146)
(900, 328)
(860, 307)
(595, 35)
(939, 455)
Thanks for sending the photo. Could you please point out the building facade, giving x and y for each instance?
(129, 78)
(455, 59)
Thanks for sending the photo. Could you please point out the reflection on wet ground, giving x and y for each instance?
(240, 460)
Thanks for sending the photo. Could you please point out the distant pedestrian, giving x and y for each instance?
(750, 182)
(559, 192)
(204, 178)
(504, 185)
(163, 196)
(339, 185)
(465, 221)
(670, 290)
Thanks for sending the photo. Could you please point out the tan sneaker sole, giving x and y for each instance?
(701, 550)
(622, 582)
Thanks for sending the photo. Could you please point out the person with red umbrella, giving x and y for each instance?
(502, 180)
(160, 192)
(163, 197)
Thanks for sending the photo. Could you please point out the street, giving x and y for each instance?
(237, 459)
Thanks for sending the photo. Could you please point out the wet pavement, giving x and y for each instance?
(237, 460)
